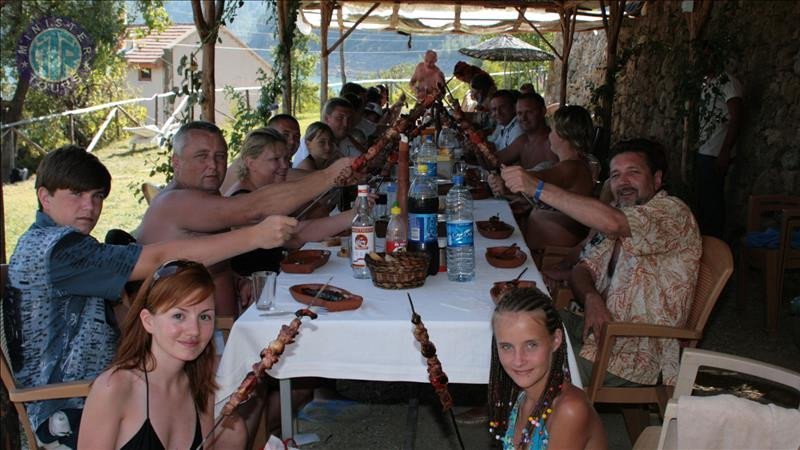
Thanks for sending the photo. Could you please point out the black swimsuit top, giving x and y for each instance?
(147, 439)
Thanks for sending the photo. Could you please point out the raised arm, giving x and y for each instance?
(198, 211)
(314, 230)
(584, 209)
(271, 232)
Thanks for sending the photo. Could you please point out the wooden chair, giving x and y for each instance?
(150, 190)
(551, 256)
(716, 266)
(789, 256)
(665, 436)
(769, 260)
(20, 396)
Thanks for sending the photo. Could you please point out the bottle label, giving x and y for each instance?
(362, 242)
(459, 234)
(393, 246)
(422, 227)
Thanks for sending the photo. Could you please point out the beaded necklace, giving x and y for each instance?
(534, 435)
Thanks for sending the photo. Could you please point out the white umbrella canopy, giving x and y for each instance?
(506, 48)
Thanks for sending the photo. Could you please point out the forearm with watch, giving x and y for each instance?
(586, 210)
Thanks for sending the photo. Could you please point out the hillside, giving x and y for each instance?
(366, 52)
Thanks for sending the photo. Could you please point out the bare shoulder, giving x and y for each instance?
(573, 404)
(116, 384)
(574, 422)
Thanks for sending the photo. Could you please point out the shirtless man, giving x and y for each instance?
(191, 204)
(533, 146)
(427, 76)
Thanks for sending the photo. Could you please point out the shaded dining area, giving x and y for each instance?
(602, 256)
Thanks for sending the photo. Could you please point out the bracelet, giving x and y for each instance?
(538, 192)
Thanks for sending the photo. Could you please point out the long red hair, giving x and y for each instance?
(188, 286)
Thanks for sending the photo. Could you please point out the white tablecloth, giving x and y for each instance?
(375, 342)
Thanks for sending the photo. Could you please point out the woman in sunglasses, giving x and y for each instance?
(159, 391)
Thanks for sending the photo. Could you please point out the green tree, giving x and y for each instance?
(104, 21)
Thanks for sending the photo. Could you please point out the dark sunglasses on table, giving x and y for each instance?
(170, 268)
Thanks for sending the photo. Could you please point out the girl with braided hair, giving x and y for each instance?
(532, 404)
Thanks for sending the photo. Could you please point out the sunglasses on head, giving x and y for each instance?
(170, 268)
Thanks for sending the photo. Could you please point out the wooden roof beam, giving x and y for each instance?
(355, 25)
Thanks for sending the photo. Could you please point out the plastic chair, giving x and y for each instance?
(716, 266)
(691, 361)
(20, 396)
(769, 260)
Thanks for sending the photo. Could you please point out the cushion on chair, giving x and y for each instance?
(726, 421)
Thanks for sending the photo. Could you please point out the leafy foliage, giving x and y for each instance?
(105, 22)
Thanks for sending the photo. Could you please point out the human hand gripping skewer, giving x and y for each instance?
(436, 374)
(269, 356)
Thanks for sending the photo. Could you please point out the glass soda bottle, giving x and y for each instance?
(362, 237)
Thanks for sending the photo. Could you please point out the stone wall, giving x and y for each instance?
(767, 63)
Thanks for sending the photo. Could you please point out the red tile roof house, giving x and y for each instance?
(153, 62)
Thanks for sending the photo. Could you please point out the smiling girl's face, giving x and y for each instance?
(183, 331)
(525, 348)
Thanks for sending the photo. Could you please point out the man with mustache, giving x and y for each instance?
(640, 266)
(192, 205)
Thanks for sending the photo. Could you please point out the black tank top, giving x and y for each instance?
(147, 439)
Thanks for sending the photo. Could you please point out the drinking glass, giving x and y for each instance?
(264, 289)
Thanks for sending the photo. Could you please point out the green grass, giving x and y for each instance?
(122, 209)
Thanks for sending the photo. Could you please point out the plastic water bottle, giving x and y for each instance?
(429, 155)
(396, 233)
(423, 204)
(362, 237)
(460, 242)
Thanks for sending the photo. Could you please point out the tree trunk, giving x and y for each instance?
(207, 16)
(567, 14)
(325, 21)
(13, 114)
(612, 25)
(287, 40)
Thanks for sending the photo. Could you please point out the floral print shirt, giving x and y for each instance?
(652, 281)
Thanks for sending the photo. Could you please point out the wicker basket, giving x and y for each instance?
(406, 270)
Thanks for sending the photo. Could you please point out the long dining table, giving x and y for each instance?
(375, 341)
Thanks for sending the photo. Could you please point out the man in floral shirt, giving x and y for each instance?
(641, 266)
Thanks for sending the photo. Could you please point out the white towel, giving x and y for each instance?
(729, 422)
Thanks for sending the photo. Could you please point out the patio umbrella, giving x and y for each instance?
(506, 48)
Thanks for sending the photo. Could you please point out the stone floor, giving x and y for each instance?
(377, 418)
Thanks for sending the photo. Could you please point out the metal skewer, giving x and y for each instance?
(222, 417)
(316, 200)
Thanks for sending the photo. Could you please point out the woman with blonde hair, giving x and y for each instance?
(265, 159)
(159, 391)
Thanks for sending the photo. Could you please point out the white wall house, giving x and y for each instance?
(153, 62)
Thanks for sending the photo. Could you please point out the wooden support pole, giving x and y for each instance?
(326, 11)
(27, 139)
(101, 130)
(341, 47)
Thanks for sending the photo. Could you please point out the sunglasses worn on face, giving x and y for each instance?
(170, 268)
